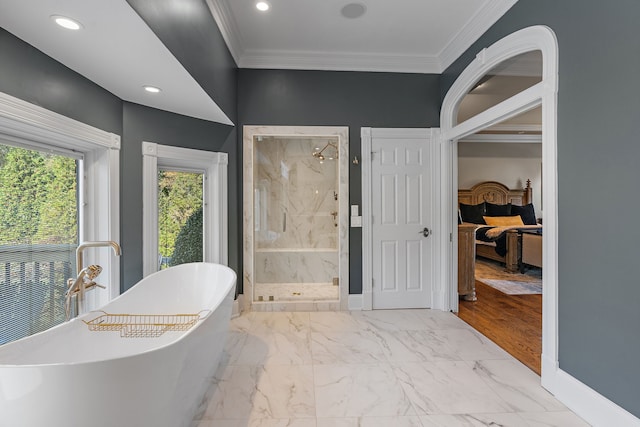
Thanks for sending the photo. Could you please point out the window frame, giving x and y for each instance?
(214, 166)
(31, 126)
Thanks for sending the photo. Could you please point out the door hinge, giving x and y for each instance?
(371, 283)
(451, 237)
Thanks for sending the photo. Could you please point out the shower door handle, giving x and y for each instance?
(425, 232)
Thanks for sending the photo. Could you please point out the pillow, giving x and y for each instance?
(526, 212)
(472, 213)
(498, 210)
(503, 221)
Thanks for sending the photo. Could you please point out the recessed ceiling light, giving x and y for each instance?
(353, 10)
(152, 89)
(65, 22)
(263, 6)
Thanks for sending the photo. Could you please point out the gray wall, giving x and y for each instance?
(27, 73)
(148, 124)
(191, 34)
(30, 75)
(354, 99)
(598, 151)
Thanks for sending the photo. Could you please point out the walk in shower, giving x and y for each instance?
(295, 217)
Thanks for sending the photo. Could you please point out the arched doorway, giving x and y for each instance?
(543, 94)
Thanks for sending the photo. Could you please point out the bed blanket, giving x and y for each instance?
(495, 232)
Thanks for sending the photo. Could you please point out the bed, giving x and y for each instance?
(492, 201)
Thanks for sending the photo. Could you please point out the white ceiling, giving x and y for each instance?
(414, 36)
(118, 51)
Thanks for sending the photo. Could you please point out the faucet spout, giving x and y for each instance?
(82, 246)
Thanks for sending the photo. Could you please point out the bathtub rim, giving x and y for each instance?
(79, 319)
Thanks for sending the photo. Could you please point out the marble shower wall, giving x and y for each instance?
(295, 194)
(296, 205)
(312, 266)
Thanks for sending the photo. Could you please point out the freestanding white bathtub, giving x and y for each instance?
(70, 376)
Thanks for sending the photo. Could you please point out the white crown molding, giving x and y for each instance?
(334, 61)
(477, 25)
(311, 60)
(228, 27)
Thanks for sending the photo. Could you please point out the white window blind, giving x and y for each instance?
(38, 238)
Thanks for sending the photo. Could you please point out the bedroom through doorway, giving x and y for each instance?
(500, 182)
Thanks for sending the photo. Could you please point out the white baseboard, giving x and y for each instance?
(355, 302)
(237, 306)
(593, 407)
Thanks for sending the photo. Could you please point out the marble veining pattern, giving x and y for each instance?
(400, 368)
(292, 267)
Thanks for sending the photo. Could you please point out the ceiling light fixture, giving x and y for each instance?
(263, 6)
(65, 22)
(353, 10)
(152, 89)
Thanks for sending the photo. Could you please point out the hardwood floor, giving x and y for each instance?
(514, 322)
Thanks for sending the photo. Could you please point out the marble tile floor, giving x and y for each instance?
(388, 368)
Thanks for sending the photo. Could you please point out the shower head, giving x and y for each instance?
(318, 153)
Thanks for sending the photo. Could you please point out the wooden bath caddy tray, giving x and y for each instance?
(143, 325)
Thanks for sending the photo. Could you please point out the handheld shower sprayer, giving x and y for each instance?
(83, 282)
(92, 271)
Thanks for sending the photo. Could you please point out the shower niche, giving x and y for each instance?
(295, 216)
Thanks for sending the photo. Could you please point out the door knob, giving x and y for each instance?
(425, 232)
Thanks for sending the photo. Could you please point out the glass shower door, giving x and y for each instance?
(295, 218)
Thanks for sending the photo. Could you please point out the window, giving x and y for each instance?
(58, 186)
(179, 217)
(38, 237)
(177, 184)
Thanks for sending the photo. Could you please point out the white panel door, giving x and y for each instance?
(402, 205)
